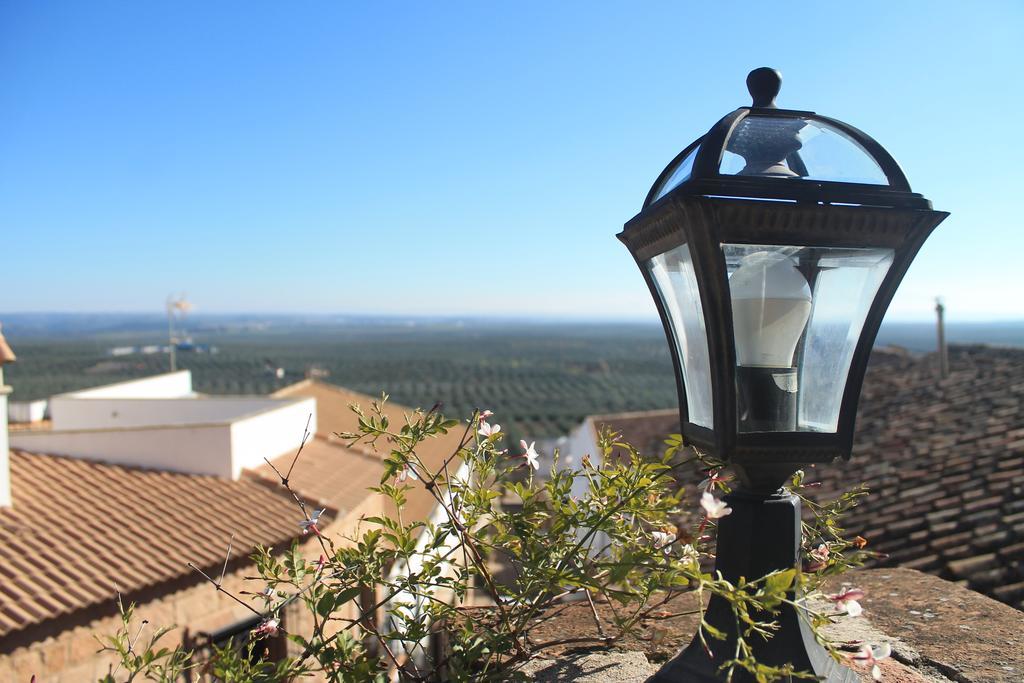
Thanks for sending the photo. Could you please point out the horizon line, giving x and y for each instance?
(488, 317)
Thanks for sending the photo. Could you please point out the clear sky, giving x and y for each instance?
(461, 158)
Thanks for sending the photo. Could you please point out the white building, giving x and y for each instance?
(645, 431)
(161, 423)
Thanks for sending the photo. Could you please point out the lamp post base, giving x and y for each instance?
(760, 536)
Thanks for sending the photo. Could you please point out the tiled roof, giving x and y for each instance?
(645, 431)
(334, 415)
(327, 474)
(943, 459)
(76, 528)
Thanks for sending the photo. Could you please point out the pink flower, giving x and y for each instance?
(714, 508)
(848, 599)
(531, 455)
(267, 628)
(320, 562)
(310, 524)
(820, 553)
(485, 414)
(487, 431)
(868, 656)
(405, 473)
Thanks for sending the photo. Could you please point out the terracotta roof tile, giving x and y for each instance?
(334, 415)
(962, 433)
(76, 528)
(328, 474)
(943, 458)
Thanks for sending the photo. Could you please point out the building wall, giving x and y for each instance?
(5, 450)
(113, 413)
(582, 441)
(70, 655)
(270, 433)
(222, 449)
(197, 450)
(27, 411)
(169, 385)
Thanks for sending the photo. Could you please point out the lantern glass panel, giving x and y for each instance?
(797, 315)
(675, 282)
(807, 149)
(846, 284)
(678, 175)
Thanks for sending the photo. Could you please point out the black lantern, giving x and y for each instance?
(772, 246)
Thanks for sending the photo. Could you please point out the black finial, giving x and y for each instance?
(764, 84)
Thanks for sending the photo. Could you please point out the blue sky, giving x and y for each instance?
(460, 158)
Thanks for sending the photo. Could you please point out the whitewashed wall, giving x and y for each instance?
(270, 433)
(168, 385)
(72, 412)
(220, 449)
(27, 411)
(202, 449)
(581, 442)
(5, 452)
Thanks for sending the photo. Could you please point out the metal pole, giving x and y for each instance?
(170, 335)
(760, 536)
(940, 311)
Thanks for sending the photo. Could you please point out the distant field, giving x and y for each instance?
(541, 380)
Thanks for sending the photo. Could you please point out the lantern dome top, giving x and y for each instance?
(764, 152)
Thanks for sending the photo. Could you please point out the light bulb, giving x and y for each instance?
(771, 302)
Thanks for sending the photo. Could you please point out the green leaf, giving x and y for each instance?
(779, 582)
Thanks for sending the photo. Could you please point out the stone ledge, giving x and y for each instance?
(939, 632)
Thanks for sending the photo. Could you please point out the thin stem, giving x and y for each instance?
(227, 593)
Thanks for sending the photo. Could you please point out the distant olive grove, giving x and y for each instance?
(545, 377)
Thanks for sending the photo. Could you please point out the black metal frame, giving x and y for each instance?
(705, 179)
(705, 211)
(709, 209)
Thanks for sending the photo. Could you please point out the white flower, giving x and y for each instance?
(487, 430)
(532, 458)
(268, 627)
(663, 540)
(868, 656)
(714, 508)
(268, 591)
(405, 473)
(311, 523)
(690, 555)
(848, 599)
(485, 414)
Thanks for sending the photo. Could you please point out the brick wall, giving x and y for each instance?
(68, 653)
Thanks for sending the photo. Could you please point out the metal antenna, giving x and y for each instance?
(940, 312)
(171, 342)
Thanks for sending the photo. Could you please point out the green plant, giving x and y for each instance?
(607, 532)
(138, 658)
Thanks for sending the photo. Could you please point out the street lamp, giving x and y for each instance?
(772, 247)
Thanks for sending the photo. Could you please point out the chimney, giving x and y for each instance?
(940, 311)
(6, 356)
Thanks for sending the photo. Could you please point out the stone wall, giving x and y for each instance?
(70, 654)
(65, 650)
